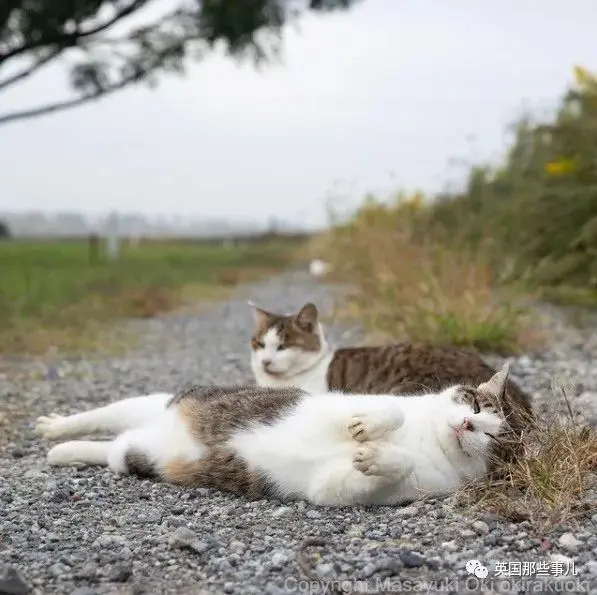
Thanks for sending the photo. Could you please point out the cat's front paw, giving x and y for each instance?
(365, 459)
(50, 426)
(367, 426)
(383, 459)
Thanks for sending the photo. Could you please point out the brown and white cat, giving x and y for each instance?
(328, 448)
(291, 350)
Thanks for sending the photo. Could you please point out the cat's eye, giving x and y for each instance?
(476, 406)
(258, 344)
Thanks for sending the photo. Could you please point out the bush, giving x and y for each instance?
(456, 269)
(411, 283)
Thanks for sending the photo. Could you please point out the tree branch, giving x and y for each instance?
(58, 106)
(71, 39)
(52, 107)
(26, 72)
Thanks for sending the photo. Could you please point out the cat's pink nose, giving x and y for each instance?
(266, 363)
(468, 424)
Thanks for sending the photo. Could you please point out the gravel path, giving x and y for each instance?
(84, 531)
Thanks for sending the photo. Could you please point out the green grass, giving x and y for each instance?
(54, 294)
(580, 297)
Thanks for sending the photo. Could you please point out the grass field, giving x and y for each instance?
(57, 294)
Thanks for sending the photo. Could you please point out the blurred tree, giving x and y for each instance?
(4, 231)
(116, 43)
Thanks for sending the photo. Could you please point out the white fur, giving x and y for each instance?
(293, 366)
(332, 448)
(116, 417)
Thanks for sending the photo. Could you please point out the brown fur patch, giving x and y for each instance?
(212, 415)
(139, 464)
(222, 470)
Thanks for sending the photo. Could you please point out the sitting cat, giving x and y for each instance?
(328, 448)
(290, 350)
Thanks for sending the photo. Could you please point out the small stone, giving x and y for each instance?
(313, 514)
(279, 559)
(121, 573)
(184, 538)
(467, 533)
(450, 546)
(228, 587)
(569, 542)
(88, 571)
(386, 567)
(237, 547)
(411, 559)
(355, 531)
(18, 453)
(151, 518)
(481, 527)
(592, 567)
(11, 581)
(560, 558)
(325, 570)
(58, 570)
(282, 511)
(408, 511)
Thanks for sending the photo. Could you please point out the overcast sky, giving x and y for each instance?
(377, 98)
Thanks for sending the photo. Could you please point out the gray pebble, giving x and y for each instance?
(408, 511)
(279, 559)
(481, 527)
(282, 511)
(186, 539)
(11, 581)
(569, 542)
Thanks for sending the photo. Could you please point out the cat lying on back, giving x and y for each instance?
(290, 350)
(331, 449)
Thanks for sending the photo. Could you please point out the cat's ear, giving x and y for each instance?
(496, 385)
(262, 317)
(306, 318)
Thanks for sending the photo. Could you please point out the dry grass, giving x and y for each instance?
(549, 484)
(408, 287)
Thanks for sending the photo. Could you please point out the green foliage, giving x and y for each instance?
(34, 33)
(540, 206)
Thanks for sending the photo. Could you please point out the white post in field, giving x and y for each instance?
(112, 237)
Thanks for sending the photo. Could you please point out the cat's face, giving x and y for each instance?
(475, 419)
(285, 345)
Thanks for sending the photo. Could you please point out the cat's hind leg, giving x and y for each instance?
(114, 418)
(80, 451)
(341, 484)
(147, 451)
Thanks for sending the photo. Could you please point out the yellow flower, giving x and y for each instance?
(584, 78)
(560, 168)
